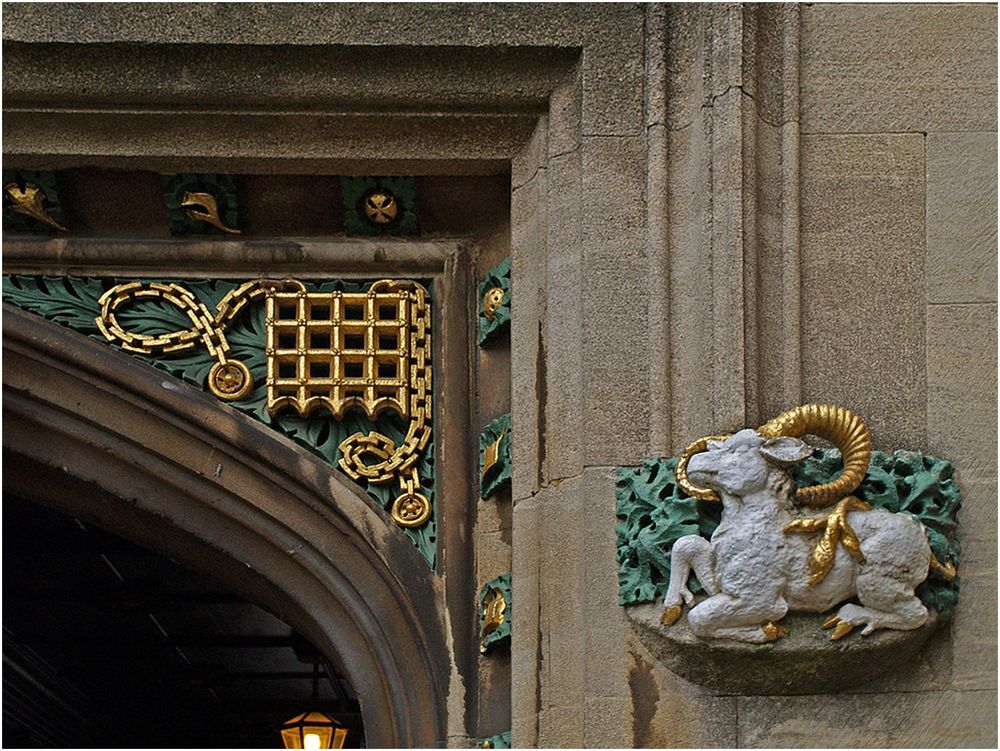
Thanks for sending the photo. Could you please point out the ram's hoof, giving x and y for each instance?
(670, 615)
(774, 631)
(840, 628)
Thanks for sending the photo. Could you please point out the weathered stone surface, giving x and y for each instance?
(881, 68)
(961, 391)
(568, 292)
(974, 639)
(669, 712)
(804, 662)
(528, 215)
(605, 722)
(526, 625)
(328, 76)
(961, 425)
(961, 217)
(307, 24)
(611, 34)
(575, 633)
(690, 335)
(862, 281)
(265, 142)
(616, 388)
(531, 158)
(565, 107)
(924, 720)
(613, 68)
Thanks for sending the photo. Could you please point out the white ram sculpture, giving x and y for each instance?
(759, 564)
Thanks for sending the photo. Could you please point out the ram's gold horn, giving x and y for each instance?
(839, 426)
(702, 494)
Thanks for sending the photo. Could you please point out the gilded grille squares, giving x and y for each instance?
(370, 350)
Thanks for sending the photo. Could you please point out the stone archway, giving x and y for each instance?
(141, 455)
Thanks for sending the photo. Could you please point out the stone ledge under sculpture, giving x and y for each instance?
(745, 528)
(757, 566)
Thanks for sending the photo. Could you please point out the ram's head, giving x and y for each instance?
(738, 464)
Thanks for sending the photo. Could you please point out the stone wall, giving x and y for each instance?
(716, 212)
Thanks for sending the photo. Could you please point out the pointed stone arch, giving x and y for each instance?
(92, 432)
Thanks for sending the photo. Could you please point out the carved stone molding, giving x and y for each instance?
(176, 471)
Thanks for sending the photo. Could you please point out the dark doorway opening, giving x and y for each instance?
(108, 644)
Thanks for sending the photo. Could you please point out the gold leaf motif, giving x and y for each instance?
(30, 201)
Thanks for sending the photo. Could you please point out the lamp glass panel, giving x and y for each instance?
(311, 731)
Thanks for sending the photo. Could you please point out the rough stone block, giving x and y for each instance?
(932, 719)
(526, 646)
(962, 388)
(882, 68)
(605, 722)
(862, 252)
(613, 69)
(616, 298)
(689, 244)
(563, 337)
(962, 217)
(565, 107)
(974, 633)
(669, 712)
(528, 253)
(531, 158)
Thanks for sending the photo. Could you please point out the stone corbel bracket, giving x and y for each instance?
(494, 456)
(654, 512)
(494, 613)
(494, 303)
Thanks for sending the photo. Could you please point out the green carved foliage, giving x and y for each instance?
(221, 187)
(654, 512)
(500, 473)
(72, 302)
(914, 483)
(356, 191)
(501, 740)
(498, 276)
(502, 632)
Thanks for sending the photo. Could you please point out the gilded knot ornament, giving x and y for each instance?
(769, 524)
(366, 350)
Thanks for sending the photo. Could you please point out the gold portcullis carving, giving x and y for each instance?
(30, 201)
(492, 301)
(210, 215)
(370, 350)
(494, 607)
(381, 207)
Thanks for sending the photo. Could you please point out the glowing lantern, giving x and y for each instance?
(313, 730)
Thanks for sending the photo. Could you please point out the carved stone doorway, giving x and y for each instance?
(109, 644)
(89, 434)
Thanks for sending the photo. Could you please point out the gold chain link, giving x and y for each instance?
(412, 508)
(230, 379)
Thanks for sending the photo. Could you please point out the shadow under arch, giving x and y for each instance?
(92, 432)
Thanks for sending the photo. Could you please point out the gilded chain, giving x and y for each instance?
(412, 508)
(373, 457)
(228, 379)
